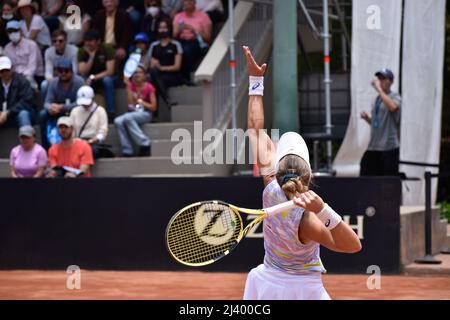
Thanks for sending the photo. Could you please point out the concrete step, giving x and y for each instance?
(184, 113)
(163, 148)
(187, 95)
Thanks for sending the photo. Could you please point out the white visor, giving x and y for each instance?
(291, 143)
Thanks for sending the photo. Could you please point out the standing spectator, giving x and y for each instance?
(7, 8)
(16, 97)
(61, 96)
(153, 15)
(74, 35)
(72, 157)
(171, 7)
(97, 65)
(60, 49)
(28, 159)
(32, 25)
(90, 121)
(193, 28)
(24, 54)
(165, 63)
(382, 155)
(141, 104)
(113, 25)
(50, 12)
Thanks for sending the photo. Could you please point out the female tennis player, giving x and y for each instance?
(292, 267)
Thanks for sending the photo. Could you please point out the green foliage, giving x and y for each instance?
(445, 210)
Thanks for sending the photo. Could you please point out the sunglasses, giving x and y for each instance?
(58, 40)
(63, 70)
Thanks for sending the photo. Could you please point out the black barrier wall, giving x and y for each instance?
(119, 224)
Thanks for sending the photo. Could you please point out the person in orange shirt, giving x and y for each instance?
(72, 157)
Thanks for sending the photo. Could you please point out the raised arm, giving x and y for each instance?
(262, 146)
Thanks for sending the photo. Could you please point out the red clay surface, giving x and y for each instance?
(200, 286)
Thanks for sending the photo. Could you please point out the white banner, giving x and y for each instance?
(422, 78)
(375, 45)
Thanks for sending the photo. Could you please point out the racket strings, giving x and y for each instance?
(203, 233)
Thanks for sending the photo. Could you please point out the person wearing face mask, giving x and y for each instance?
(153, 15)
(165, 61)
(25, 54)
(7, 8)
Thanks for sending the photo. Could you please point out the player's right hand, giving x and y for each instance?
(310, 201)
(253, 68)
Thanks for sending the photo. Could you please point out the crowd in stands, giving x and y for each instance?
(55, 58)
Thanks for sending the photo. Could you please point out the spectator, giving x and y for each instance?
(141, 104)
(61, 97)
(96, 64)
(24, 54)
(32, 25)
(141, 42)
(7, 15)
(74, 35)
(72, 157)
(28, 159)
(193, 28)
(16, 97)
(50, 12)
(165, 63)
(112, 24)
(135, 9)
(171, 7)
(153, 15)
(213, 8)
(90, 121)
(60, 49)
(382, 154)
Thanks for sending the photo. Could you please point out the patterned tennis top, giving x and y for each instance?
(283, 249)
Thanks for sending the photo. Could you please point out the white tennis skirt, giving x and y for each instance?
(264, 283)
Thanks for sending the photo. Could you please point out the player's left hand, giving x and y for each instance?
(310, 201)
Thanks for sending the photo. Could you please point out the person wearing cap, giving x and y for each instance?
(141, 105)
(96, 63)
(33, 25)
(72, 154)
(16, 97)
(60, 98)
(24, 54)
(59, 49)
(166, 56)
(90, 121)
(28, 159)
(382, 155)
(141, 46)
(153, 15)
(292, 266)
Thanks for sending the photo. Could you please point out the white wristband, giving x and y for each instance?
(256, 86)
(329, 217)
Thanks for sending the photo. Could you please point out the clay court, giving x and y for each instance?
(200, 286)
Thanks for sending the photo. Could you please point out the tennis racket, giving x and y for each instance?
(207, 231)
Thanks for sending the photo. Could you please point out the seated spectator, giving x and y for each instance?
(72, 157)
(97, 65)
(32, 25)
(61, 97)
(28, 159)
(7, 8)
(165, 62)
(90, 121)
(141, 104)
(74, 35)
(193, 28)
(153, 15)
(24, 54)
(50, 12)
(112, 24)
(213, 8)
(135, 9)
(16, 97)
(60, 49)
(141, 42)
(171, 7)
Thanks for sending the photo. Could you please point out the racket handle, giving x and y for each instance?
(280, 207)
